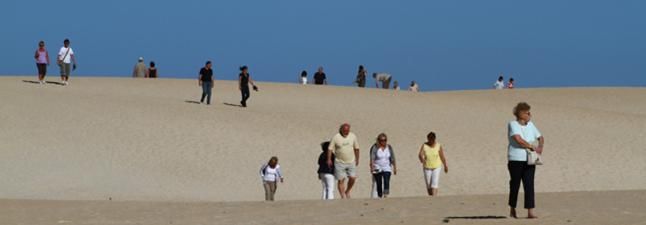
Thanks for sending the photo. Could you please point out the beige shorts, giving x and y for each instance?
(343, 170)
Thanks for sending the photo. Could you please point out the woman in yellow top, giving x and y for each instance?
(431, 155)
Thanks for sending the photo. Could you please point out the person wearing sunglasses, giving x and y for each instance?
(382, 164)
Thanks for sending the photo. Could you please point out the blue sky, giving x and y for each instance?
(443, 45)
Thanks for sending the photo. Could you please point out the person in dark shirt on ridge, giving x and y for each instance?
(319, 77)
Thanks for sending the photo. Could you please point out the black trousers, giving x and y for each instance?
(245, 95)
(520, 171)
(383, 183)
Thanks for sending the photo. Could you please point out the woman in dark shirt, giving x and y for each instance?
(206, 82)
(244, 79)
(152, 70)
(326, 173)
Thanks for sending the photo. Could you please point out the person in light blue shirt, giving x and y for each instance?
(523, 135)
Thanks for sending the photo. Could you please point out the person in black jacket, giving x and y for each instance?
(244, 79)
(326, 173)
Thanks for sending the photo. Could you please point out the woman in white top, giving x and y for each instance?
(413, 87)
(523, 136)
(270, 174)
(382, 164)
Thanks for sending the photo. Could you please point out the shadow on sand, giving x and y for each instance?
(48, 82)
(449, 218)
(31, 81)
(54, 82)
(231, 104)
(192, 102)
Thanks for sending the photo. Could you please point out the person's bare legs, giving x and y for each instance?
(429, 191)
(341, 187)
(433, 191)
(351, 181)
(530, 214)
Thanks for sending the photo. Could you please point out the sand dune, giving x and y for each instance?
(136, 139)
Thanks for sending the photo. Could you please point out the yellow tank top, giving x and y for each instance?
(432, 156)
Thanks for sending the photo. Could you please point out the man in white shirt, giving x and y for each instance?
(65, 60)
(384, 78)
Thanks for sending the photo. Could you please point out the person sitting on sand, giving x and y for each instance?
(140, 69)
(345, 147)
(382, 164)
(510, 84)
(413, 87)
(270, 174)
(303, 77)
(396, 86)
(431, 155)
(319, 77)
(523, 136)
(326, 173)
(152, 70)
(500, 83)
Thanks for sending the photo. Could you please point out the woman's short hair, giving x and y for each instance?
(521, 107)
(242, 68)
(152, 63)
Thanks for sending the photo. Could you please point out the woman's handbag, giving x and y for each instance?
(533, 158)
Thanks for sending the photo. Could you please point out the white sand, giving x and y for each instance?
(138, 139)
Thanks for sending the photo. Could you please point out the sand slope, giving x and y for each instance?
(127, 139)
(616, 208)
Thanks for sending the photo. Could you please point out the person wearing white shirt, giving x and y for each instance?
(270, 174)
(382, 165)
(65, 59)
(500, 83)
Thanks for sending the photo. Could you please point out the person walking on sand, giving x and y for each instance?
(244, 79)
(345, 147)
(140, 69)
(510, 84)
(152, 70)
(523, 136)
(361, 76)
(326, 173)
(303, 77)
(206, 82)
(42, 61)
(431, 155)
(384, 78)
(65, 59)
(319, 77)
(413, 87)
(270, 174)
(500, 83)
(382, 164)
